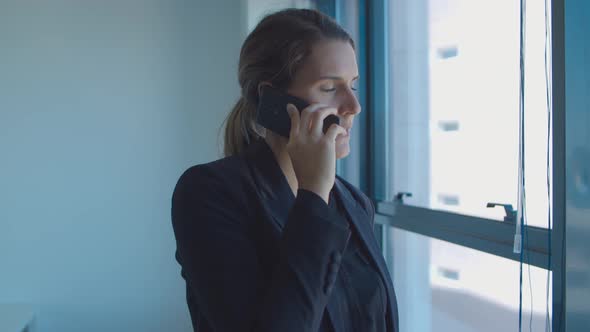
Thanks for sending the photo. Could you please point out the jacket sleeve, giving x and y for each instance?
(221, 267)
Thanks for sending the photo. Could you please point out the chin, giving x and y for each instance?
(342, 150)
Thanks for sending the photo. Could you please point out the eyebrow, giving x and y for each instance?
(336, 78)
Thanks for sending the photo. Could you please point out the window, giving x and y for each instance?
(454, 106)
(451, 140)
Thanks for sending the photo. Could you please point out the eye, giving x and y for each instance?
(328, 89)
(354, 85)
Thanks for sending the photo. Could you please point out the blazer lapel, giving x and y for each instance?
(361, 223)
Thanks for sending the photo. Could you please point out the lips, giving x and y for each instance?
(348, 128)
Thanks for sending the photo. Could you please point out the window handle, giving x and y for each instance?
(510, 212)
(399, 197)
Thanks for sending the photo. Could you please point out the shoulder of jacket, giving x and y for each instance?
(219, 175)
(229, 168)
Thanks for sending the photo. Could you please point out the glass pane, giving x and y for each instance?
(445, 287)
(454, 105)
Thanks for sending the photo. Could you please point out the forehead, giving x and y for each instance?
(334, 58)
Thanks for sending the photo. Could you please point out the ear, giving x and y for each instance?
(260, 85)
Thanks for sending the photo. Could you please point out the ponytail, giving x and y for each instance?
(241, 128)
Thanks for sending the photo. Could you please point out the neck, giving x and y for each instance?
(278, 145)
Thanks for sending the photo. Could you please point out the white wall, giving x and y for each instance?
(257, 9)
(103, 104)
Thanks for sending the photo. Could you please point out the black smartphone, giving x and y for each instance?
(272, 111)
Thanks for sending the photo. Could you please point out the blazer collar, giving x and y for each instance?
(278, 198)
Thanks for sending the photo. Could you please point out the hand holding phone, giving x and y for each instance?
(314, 161)
(272, 111)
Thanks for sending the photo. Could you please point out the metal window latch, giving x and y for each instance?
(510, 212)
(399, 197)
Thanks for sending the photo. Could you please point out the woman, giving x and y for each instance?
(269, 238)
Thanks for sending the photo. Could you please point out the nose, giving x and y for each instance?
(350, 103)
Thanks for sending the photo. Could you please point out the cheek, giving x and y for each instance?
(315, 96)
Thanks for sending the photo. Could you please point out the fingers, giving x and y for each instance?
(307, 116)
(334, 131)
(318, 120)
(310, 121)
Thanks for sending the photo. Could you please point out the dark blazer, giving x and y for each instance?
(257, 258)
